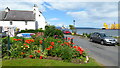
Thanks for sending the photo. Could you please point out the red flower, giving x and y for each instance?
(52, 43)
(50, 46)
(64, 38)
(40, 41)
(30, 56)
(62, 44)
(41, 57)
(68, 38)
(75, 46)
(79, 48)
(47, 48)
(72, 43)
(32, 40)
(38, 51)
(80, 52)
(75, 55)
(27, 41)
(19, 39)
(58, 41)
(14, 39)
(24, 44)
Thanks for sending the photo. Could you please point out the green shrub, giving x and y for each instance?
(25, 47)
(31, 31)
(50, 31)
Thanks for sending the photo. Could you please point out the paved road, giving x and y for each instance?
(105, 55)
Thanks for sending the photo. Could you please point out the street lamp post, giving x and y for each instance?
(74, 22)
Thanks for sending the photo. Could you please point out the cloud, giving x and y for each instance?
(95, 15)
(21, 4)
(54, 19)
(81, 0)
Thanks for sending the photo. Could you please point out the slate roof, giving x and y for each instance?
(17, 15)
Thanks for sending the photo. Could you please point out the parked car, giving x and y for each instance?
(66, 31)
(103, 38)
(26, 35)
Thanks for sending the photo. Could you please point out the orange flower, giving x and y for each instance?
(38, 51)
(52, 43)
(68, 38)
(19, 39)
(32, 40)
(41, 57)
(22, 53)
(58, 41)
(72, 43)
(80, 52)
(50, 46)
(75, 46)
(40, 41)
(24, 44)
(47, 48)
(30, 56)
(62, 44)
(27, 41)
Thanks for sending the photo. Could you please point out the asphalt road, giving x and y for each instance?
(105, 55)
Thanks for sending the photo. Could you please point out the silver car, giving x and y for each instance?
(103, 39)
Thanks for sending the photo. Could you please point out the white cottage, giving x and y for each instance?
(22, 19)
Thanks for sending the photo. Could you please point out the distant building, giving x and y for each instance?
(22, 19)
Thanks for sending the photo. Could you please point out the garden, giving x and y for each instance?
(51, 45)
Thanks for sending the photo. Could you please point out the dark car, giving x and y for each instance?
(103, 39)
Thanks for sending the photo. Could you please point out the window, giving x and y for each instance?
(25, 22)
(11, 23)
(39, 15)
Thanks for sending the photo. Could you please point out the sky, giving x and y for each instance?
(86, 13)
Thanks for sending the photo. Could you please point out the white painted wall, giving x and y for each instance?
(39, 18)
(19, 24)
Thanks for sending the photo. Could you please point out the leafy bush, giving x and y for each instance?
(87, 35)
(40, 47)
(50, 31)
(31, 31)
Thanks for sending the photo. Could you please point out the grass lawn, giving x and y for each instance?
(44, 62)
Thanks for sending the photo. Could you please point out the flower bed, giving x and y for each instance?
(45, 48)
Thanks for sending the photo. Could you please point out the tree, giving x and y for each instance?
(71, 27)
